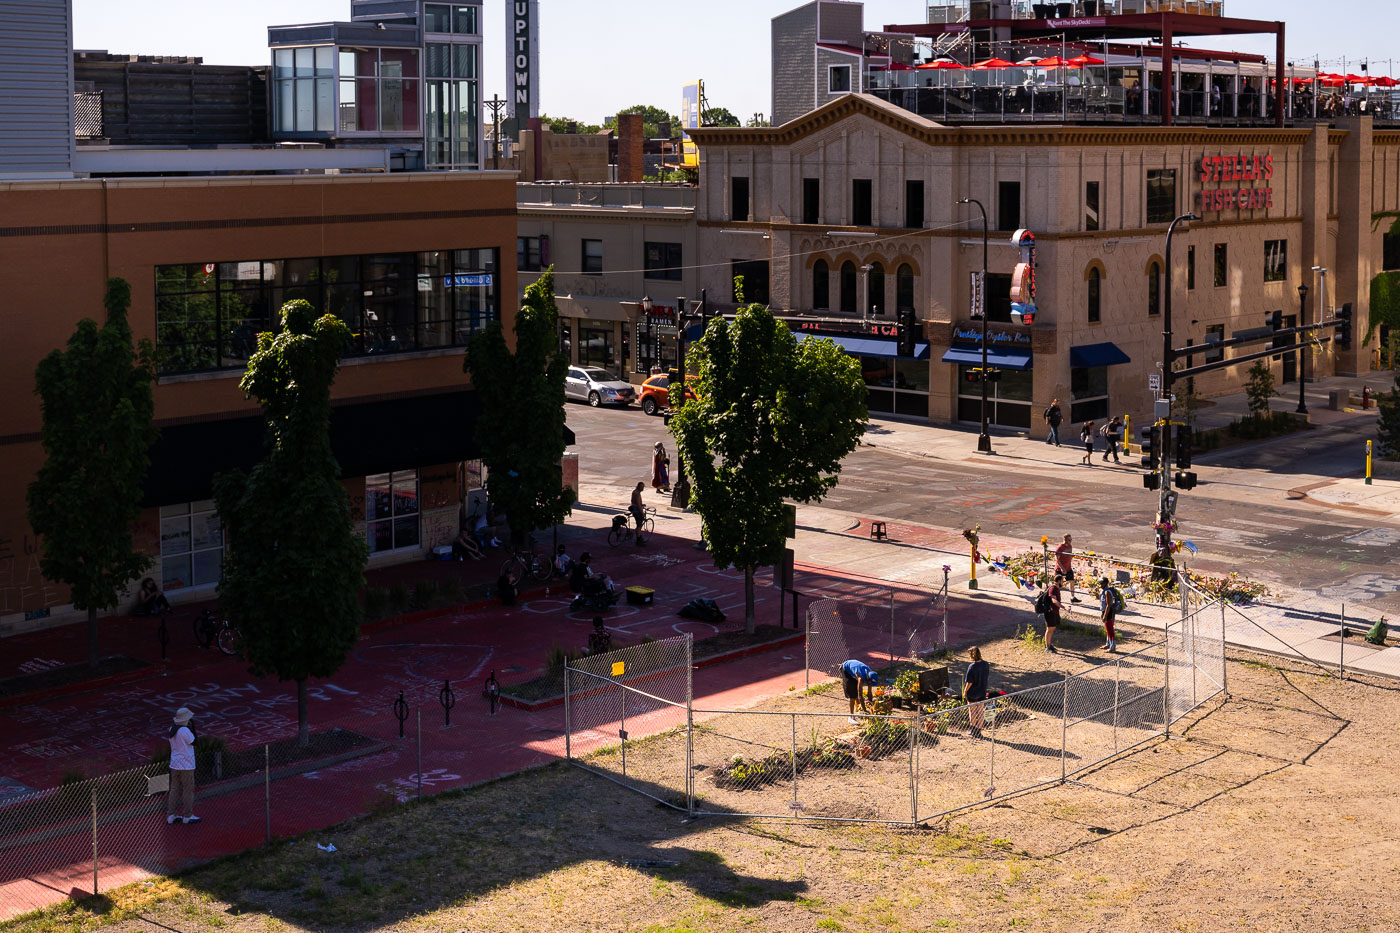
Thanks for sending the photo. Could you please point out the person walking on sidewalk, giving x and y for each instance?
(660, 468)
(1053, 417)
(1086, 437)
(1112, 434)
(179, 799)
(854, 675)
(1110, 601)
(979, 672)
(1064, 564)
(1047, 604)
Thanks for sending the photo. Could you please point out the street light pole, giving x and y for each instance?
(1302, 341)
(680, 490)
(984, 440)
(1165, 488)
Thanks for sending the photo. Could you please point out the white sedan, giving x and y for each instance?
(597, 387)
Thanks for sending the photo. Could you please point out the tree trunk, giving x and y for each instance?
(92, 638)
(303, 727)
(748, 600)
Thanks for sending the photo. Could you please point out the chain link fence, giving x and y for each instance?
(904, 626)
(896, 768)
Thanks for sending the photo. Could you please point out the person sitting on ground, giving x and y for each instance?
(150, 600)
(599, 640)
(464, 547)
(584, 581)
(482, 530)
(563, 563)
(975, 689)
(507, 587)
(854, 675)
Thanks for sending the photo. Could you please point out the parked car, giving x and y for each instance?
(655, 393)
(597, 387)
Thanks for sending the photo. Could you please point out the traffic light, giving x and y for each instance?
(1152, 481)
(974, 374)
(1185, 481)
(1151, 444)
(905, 318)
(1276, 320)
(1183, 447)
(1343, 338)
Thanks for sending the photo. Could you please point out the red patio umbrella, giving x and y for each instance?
(991, 63)
(942, 64)
(1355, 79)
(1385, 81)
(1054, 61)
(900, 66)
(1081, 61)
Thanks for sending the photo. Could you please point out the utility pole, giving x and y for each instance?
(984, 440)
(1163, 408)
(497, 103)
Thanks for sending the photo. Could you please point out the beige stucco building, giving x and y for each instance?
(851, 211)
(612, 245)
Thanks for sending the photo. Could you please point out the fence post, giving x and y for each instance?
(1064, 728)
(1224, 667)
(568, 728)
(267, 794)
(689, 758)
(419, 726)
(93, 790)
(1167, 681)
(914, 734)
(1342, 653)
(1194, 667)
(622, 730)
(1117, 672)
(806, 648)
(891, 626)
(992, 759)
(792, 758)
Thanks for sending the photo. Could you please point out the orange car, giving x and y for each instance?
(655, 393)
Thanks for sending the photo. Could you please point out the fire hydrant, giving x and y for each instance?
(1365, 397)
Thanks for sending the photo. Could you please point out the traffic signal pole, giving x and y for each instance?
(1165, 402)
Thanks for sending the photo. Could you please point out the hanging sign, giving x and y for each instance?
(1220, 169)
(467, 280)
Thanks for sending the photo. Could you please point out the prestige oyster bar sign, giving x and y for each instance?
(1236, 168)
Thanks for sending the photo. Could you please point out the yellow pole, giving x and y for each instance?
(972, 584)
(1368, 464)
(1128, 435)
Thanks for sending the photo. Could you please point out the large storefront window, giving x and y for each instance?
(379, 90)
(656, 345)
(1088, 394)
(391, 511)
(1008, 399)
(191, 545)
(208, 315)
(595, 346)
(304, 89)
(896, 386)
(453, 104)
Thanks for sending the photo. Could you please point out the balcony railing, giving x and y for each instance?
(959, 11)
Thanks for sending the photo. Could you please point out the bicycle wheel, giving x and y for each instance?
(230, 640)
(203, 630)
(513, 567)
(616, 536)
(650, 525)
(539, 568)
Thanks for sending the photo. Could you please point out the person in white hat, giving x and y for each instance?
(179, 800)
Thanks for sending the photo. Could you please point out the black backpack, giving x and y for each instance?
(1043, 603)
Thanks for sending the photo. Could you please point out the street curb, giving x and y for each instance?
(152, 669)
(535, 706)
(1300, 494)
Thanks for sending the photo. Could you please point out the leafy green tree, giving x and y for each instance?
(718, 116)
(1259, 389)
(561, 125)
(757, 119)
(772, 421)
(1388, 427)
(521, 427)
(97, 436)
(651, 116)
(293, 565)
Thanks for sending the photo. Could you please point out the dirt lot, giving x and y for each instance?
(1273, 811)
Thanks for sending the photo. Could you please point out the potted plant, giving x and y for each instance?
(906, 686)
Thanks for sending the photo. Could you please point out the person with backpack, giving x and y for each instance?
(1047, 604)
(1053, 417)
(1086, 437)
(1112, 433)
(1110, 604)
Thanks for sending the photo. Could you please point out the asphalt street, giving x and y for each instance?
(1240, 518)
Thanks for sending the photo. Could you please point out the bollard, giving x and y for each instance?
(163, 636)
(448, 700)
(1368, 464)
(401, 712)
(972, 583)
(492, 692)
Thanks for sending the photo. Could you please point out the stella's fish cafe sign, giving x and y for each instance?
(1225, 169)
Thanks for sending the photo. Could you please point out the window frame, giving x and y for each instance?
(862, 202)
(1007, 203)
(189, 513)
(832, 71)
(821, 285)
(1157, 210)
(1094, 296)
(1218, 353)
(849, 287)
(811, 200)
(394, 479)
(1093, 405)
(904, 287)
(1154, 288)
(875, 288)
(914, 203)
(1390, 250)
(669, 261)
(589, 264)
(739, 185)
(1190, 267)
(531, 249)
(1091, 206)
(1276, 260)
(1221, 267)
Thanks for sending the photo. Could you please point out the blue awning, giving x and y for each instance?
(1097, 354)
(972, 356)
(868, 346)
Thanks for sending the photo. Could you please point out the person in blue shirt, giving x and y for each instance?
(853, 674)
(975, 689)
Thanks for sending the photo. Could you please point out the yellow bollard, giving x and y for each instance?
(1368, 464)
(972, 583)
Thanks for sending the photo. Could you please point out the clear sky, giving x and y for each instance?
(598, 56)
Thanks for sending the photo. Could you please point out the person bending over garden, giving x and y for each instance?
(854, 675)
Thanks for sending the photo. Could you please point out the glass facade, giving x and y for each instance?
(208, 315)
(896, 386)
(304, 89)
(391, 511)
(191, 545)
(454, 104)
(1008, 399)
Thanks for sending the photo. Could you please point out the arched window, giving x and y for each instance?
(821, 285)
(904, 287)
(876, 298)
(848, 287)
(1154, 288)
(1094, 282)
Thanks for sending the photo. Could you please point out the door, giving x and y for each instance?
(575, 384)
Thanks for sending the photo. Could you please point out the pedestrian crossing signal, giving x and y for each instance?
(1185, 481)
(1152, 481)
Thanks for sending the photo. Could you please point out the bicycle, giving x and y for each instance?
(623, 530)
(525, 562)
(210, 631)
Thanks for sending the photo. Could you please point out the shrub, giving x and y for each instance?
(558, 656)
(424, 593)
(398, 596)
(376, 601)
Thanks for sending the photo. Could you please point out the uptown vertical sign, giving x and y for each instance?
(523, 58)
(1225, 169)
